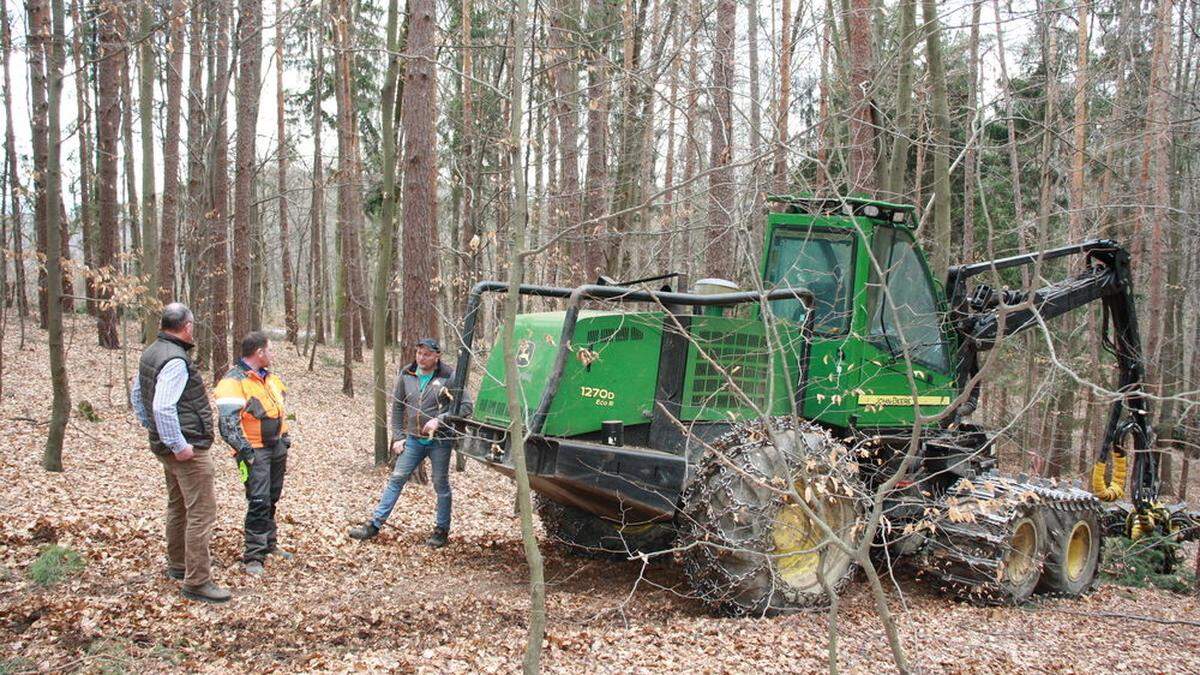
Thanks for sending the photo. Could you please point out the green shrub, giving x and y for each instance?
(86, 411)
(17, 664)
(1147, 562)
(110, 657)
(54, 564)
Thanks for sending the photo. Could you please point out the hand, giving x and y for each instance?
(397, 447)
(430, 427)
(186, 454)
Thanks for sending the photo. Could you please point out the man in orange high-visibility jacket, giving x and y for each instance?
(250, 401)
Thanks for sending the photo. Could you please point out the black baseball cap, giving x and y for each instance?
(430, 343)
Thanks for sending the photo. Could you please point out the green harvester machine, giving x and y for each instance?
(760, 435)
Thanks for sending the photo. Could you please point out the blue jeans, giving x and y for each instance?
(415, 453)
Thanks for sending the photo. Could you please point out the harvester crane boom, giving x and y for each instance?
(985, 315)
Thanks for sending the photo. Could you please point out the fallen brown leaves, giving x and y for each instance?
(393, 604)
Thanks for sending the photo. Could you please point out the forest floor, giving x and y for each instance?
(393, 603)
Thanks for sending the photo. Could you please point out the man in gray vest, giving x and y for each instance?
(170, 399)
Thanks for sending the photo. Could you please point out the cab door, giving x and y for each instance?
(904, 316)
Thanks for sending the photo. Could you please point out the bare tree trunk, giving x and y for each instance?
(79, 38)
(196, 206)
(347, 186)
(383, 271)
(61, 403)
(419, 116)
(1155, 185)
(533, 557)
(146, 77)
(111, 37)
(861, 176)
(971, 160)
(246, 97)
(289, 290)
(14, 178)
(721, 246)
(316, 245)
(898, 160)
(599, 32)
(218, 226)
(941, 140)
(39, 34)
(131, 191)
(787, 47)
(170, 214)
(564, 27)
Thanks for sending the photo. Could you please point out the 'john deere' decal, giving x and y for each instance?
(903, 399)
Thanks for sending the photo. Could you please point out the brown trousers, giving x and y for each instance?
(191, 512)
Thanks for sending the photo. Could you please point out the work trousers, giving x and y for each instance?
(263, 489)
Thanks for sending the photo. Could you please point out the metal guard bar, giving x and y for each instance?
(576, 296)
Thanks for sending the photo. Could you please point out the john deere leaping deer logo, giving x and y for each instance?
(524, 353)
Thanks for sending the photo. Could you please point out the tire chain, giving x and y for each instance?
(965, 553)
(730, 568)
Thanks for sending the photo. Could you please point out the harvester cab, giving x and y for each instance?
(752, 427)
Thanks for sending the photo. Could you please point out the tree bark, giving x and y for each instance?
(383, 271)
(533, 557)
(941, 140)
(79, 43)
(170, 204)
(971, 160)
(347, 186)
(196, 205)
(61, 403)
(721, 246)
(1155, 180)
(289, 290)
(599, 33)
(787, 46)
(146, 77)
(862, 161)
(316, 245)
(568, 204)
(894, 185)
(39, 35)
(419, 116)
(14, 178)
(246, 95)
(218, 225)
(111, 37)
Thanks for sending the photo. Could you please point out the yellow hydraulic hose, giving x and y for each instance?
(1112, 490)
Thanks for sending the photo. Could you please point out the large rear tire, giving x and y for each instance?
(583, 534)
(1072, 552)
(749, 546)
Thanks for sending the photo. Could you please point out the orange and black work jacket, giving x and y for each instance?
(250, 404)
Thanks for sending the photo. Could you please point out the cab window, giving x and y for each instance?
(913, 316)
(820, 261)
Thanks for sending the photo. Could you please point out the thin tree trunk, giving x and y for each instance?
(383, 272)
(39, 34)
(316, 244)
(898, 160)
(246, 97)
(971, 160)
(146, 77)
(196, 206)
(79, 40)
(564, 27)
(14, 178)
(533, 557)
(721, 245)
(131, 192)
(111, 37)
(61, 403)
(218, 226)
(170, 204)
(787, 46)
(1155, 185)
(346, 185)
(599, 32)
(289, 290)
(941, 140)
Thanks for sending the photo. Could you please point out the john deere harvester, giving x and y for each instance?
(764, 434)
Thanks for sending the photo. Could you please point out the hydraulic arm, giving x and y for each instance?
(984, 315)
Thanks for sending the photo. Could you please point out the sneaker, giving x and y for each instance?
(439, 538)
(254, 568)
(364, 532)
(206, 592)
(175, 574)
(286, 555)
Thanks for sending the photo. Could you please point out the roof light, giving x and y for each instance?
(897, 216)
(871, 211)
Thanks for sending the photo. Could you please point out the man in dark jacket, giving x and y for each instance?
(171, 401)
(420, 402)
